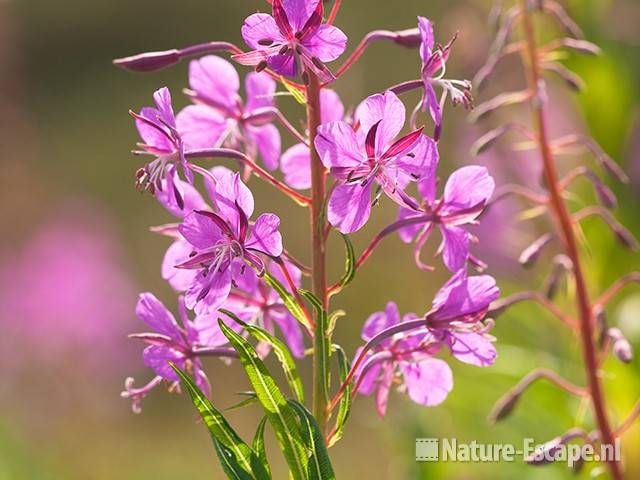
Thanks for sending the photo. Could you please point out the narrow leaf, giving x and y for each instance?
(280, 414)
(287, 297)
(345, 401)
(229, 463)
(319, 467)
(321, 342)
(280, 349)
(251, 398)
(258, 445)
(349, 267)
(218, 426)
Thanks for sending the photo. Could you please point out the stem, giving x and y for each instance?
(561, 214)
(318, 267)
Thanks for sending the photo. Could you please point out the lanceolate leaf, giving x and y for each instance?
(250, 398)
(350, 263)
(280, 414)
(321, 342)
(281, 351)
(345, 401)
(319, 467)
(229, 463)
(258, 445)
(289, 300)
(220, 429)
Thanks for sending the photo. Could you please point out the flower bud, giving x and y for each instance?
(625, 237)
(409, 38)
(530, 254)
(149, 62)
(503, 407)
(621, 347)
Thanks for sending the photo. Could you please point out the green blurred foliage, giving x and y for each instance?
(70, 140)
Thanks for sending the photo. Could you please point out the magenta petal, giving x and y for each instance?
(369, 381)
(350, 207)
(152, 312)
(332, 109)
(428, 381)
(229, 191)
(387, 109)
(455, 242)
(380, 321)
(386, 380)
(327, 43)
(430, 102)
(215, 79)
(426, 34)
(473, 348)
(154, 136)
(244, 277)
(200, 231)
(267, 139)
(191, 198)
(467, 187)
(208, 331)
(337, 145)
(259, 90)
(296, 166)
(265, 236)
(209, 292)
(464, 296)
(284, 64)
(162, 98)
(179, 278)
(158, 358)
(409, 233)
(259, 27)
(201, 126)
(298, 12)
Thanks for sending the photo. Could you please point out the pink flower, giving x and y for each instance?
(220, 117)
(292, 39)
(371, 157)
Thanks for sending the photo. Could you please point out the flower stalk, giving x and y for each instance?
(566, 227)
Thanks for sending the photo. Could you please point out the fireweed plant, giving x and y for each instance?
(517, 36)
(239, 290)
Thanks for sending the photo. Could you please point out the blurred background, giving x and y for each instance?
(75, 247)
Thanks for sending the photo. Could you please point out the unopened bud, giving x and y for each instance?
(503, 407)
(606, 197)
(409, 38)
(625, 237)
(487, 140)
(621, 347)
(601, 322)
(149, 62)
(530, 255)
(545, 453)
(582, 46)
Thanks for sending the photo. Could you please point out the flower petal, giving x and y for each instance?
(208, 292)
(267, 139)
(200, 231)
(380, 321)
(473, 348)
(201, 126)
(153, 312)
(327, 43)
(265, 236)
(464, 298)
(337, 145)
(216, 81)
(259, 90)
(455, 243)
(467, 187)
(157, 358)
(154, 135)
(350, 207)
(229, 191)
(384, 387)
(298, 12)
(426, 34)
(332, 109)
(428, 381)
(179, 278)
(291, 332)
(258, 28)
(296, 166)
(162, 98)
(387, 109)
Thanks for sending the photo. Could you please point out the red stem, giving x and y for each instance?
(559, 209)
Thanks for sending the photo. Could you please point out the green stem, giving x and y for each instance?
(318, 249)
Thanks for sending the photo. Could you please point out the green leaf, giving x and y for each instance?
(280, 414)
(297, 94)
(350, 263)
(280, 349)
(251, 398)
(289, 300)
(345, 401)
(220, 429)
(319, 467)
(229, 463)
(321, 342)
(258, 445)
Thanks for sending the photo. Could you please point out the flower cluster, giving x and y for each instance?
(225, 261)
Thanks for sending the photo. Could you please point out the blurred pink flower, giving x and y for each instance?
(65, 290)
